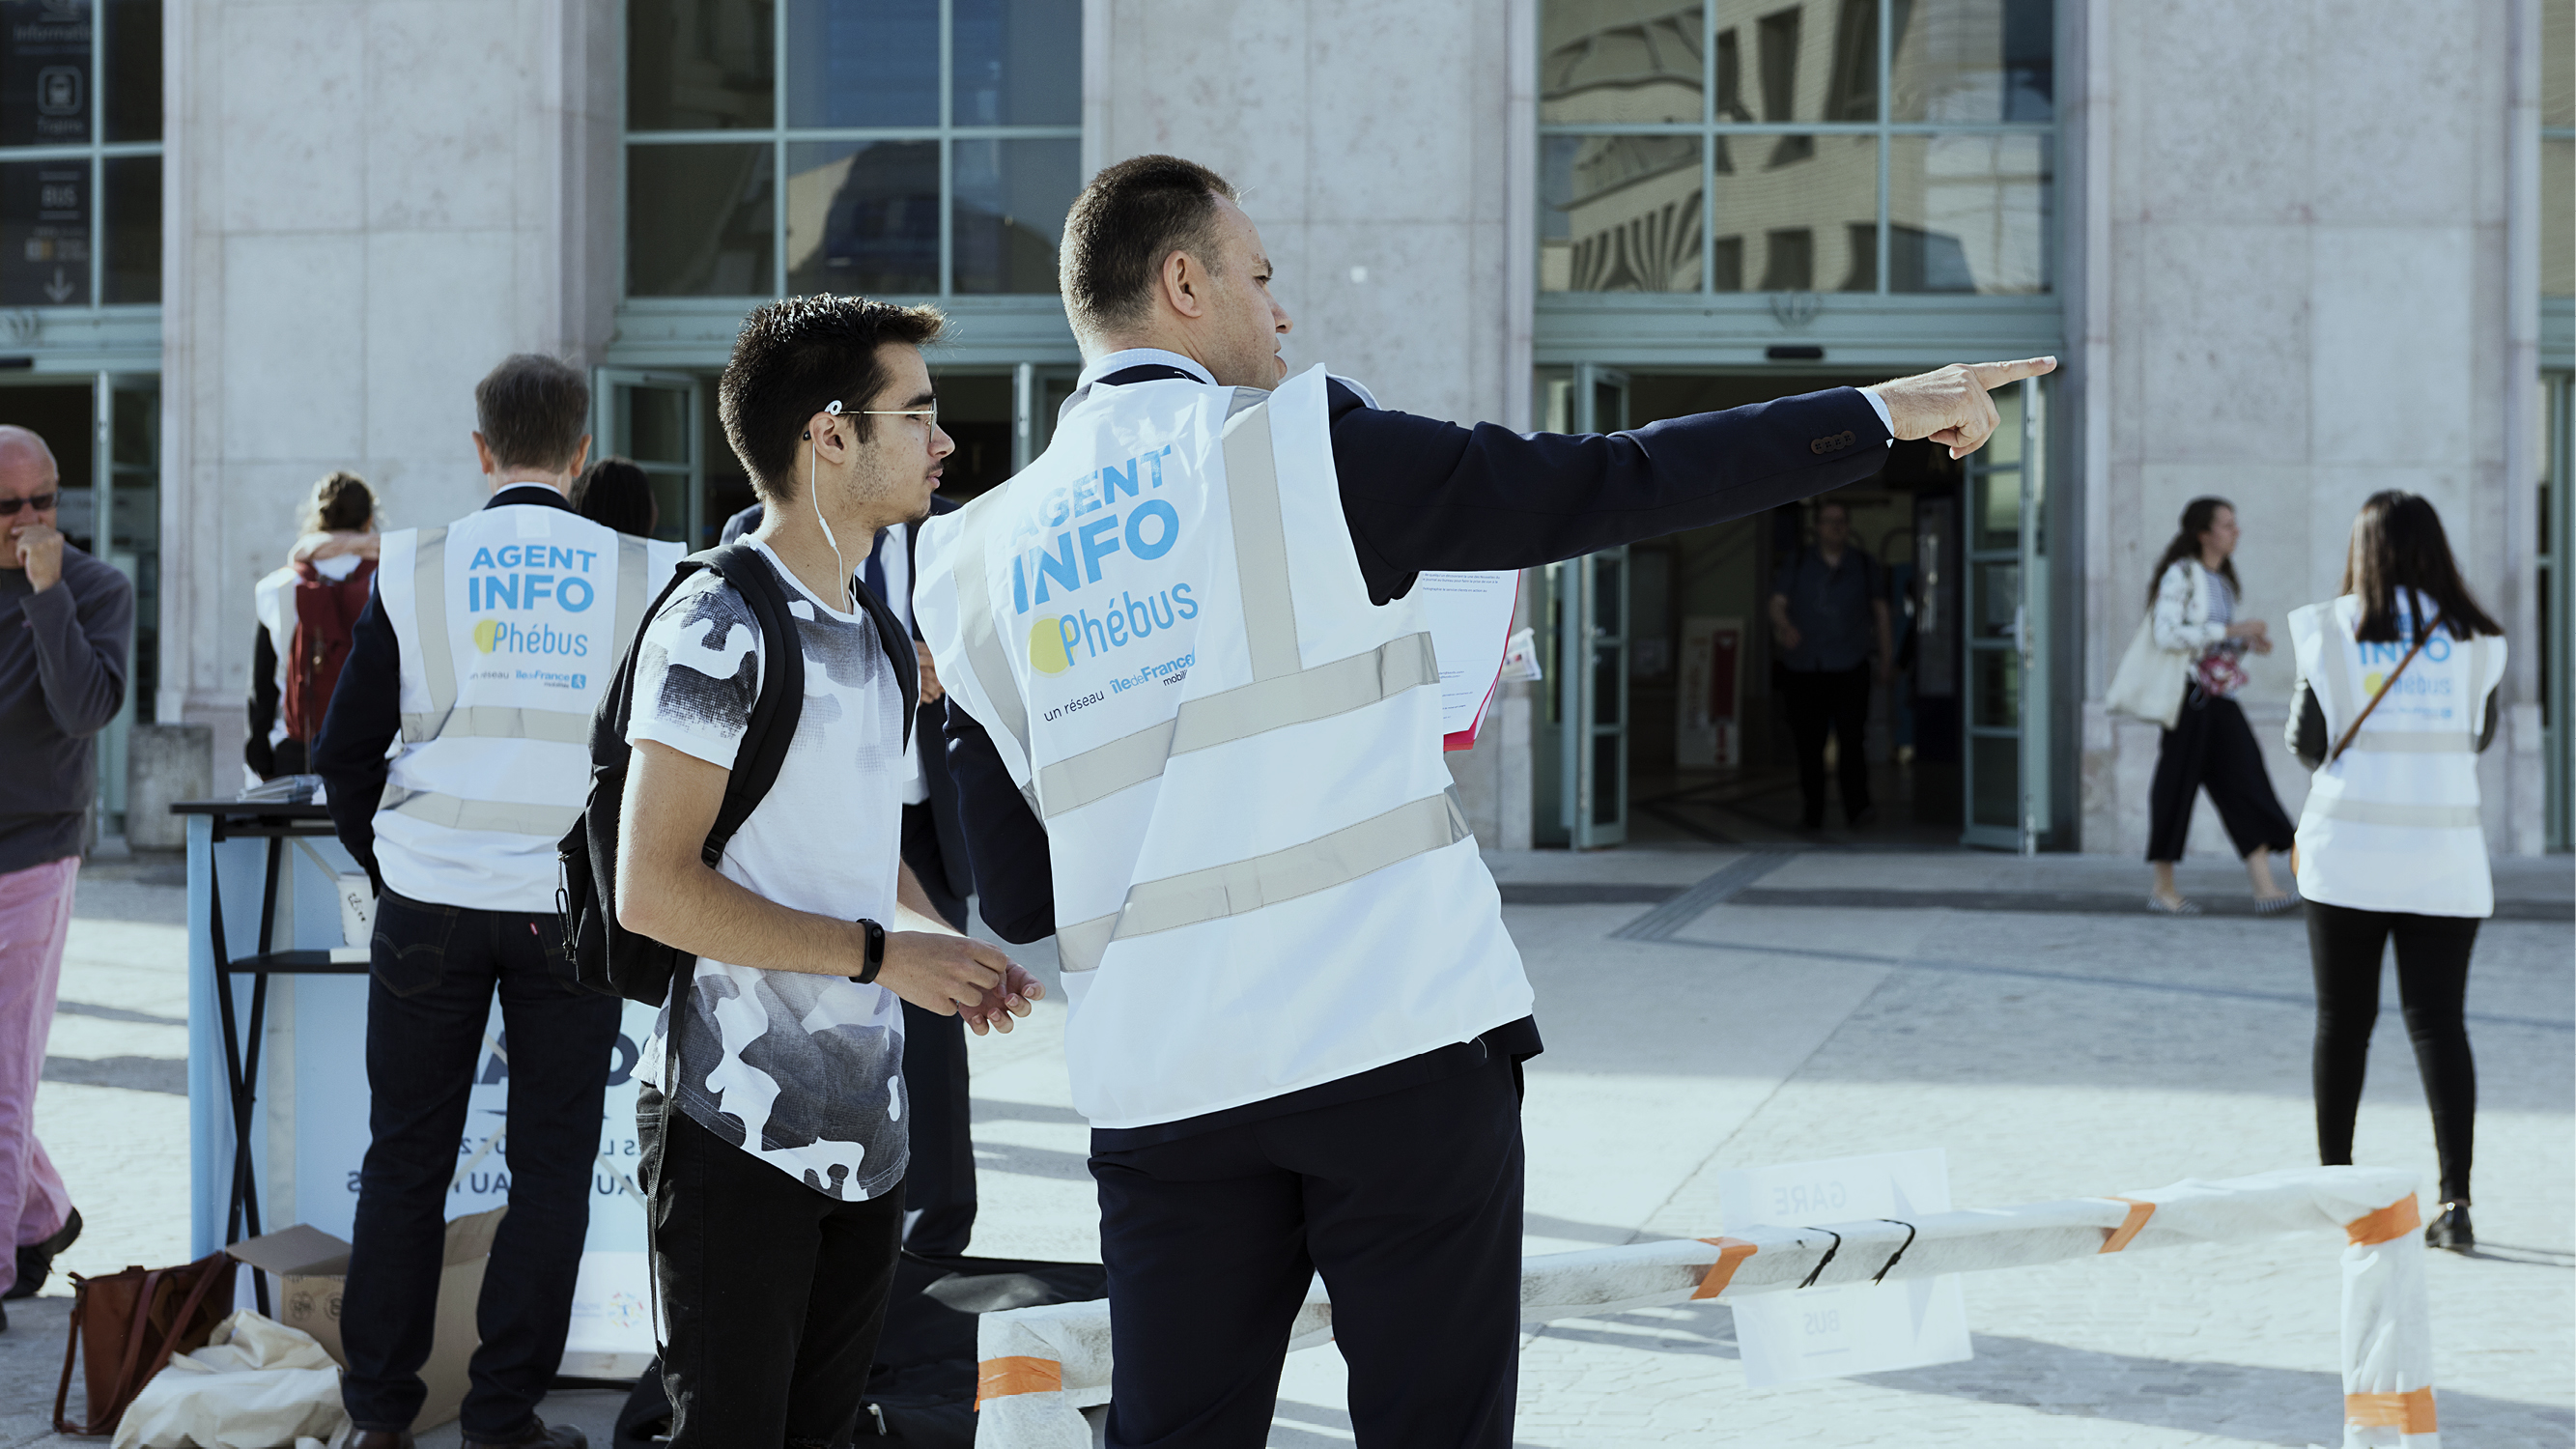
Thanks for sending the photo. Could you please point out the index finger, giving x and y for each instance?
(1992, 375)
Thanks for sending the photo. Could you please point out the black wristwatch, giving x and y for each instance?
(876, 952)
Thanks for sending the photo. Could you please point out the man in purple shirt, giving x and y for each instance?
(66, 624)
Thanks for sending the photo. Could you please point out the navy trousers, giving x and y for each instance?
(434, 971)
(1409, 1205)
(939, 1183)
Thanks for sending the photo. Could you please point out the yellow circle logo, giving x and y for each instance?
(1046, 647)
(487, 634)
(2370, 682)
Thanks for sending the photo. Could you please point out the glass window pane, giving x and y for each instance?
(2558, 218)
(1011, 200)
(1607, 786)
(698, 221)
(975, 410)
(654, 421)
(1619, 214)
(44, 234)
(133, 272)
(1998, 768)
(1780, 62)
(1974, 61)
(133, 70)
(2003, 449)
(1998, 599)
(1610, 61)
(1994, 688)
(44, 72)
(1998, 517)
(1796, 214)
(873, 64)
(700, 65)
(863, 216)
(1018, 63)
(1969, 214)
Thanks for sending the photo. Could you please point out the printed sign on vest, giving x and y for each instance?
(531, 611)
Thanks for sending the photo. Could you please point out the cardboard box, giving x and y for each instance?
(310, 1268)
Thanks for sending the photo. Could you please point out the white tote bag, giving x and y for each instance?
(2150, 683)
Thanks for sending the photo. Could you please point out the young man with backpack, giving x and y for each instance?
(774, 1119)
(484, 653)
(308, 616)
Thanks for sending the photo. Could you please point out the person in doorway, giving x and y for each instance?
(2195, 599)
(62, 679)
(308, 613)
(1829, 618)
(775, 1113)
(2396, 697)
(453, 760)
(939, 1188)
(1196, 723)
(619, 495)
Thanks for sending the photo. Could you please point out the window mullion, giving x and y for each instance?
(1707, 149)
(1886, 141)
(778, 284)
(947, 150)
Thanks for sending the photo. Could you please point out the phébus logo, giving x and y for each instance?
(499, 636)
(1058, 642)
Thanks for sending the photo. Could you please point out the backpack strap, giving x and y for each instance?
(774, 714)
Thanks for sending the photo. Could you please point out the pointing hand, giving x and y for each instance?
(1950, 406)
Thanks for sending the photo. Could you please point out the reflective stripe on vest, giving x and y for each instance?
(2385, 812)
(1238, 714)
(1236, 888)
(508, 817)
(1260, 541)
(429, 621)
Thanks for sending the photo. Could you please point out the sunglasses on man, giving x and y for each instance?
(41, 502)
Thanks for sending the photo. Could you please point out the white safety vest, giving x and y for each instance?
(510, 622)
(2394, 824)
(1263, 880)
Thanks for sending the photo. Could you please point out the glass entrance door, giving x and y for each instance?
(1591, 594)
(2007, 758)
(652, 419)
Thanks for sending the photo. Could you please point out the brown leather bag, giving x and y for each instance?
(136, 1320)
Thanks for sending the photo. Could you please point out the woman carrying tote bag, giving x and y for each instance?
(2206, 742)
(2396, 697)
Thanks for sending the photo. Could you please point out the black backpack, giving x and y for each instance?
(606, 958)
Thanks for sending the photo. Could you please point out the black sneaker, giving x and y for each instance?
(540, 1435)
(36, 1260)
(2451, 1229)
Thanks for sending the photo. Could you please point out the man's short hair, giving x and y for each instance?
(532, 411)
(796, 356)
(1124, 224)
(1834, 503)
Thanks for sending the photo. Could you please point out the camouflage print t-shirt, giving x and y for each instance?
(804, 1072)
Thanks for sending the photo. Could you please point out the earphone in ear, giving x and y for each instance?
(813, 471)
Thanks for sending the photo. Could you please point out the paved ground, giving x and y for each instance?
(1706, 1009)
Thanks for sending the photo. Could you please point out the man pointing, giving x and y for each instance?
(1195, 718)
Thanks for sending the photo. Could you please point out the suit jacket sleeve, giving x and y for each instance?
(1425, 494)
(1014, 871)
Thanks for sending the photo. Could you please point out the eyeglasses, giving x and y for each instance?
(41, 502)
(929, 414)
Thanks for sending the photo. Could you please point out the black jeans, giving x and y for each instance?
(429, 999)
(772, 1294)
(2211, 748)
(2345, 947)
(1832, 701)
(1408, 1203)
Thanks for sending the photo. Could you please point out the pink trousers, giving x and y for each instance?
(35, 916)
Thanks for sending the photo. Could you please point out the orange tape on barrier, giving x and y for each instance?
(2393, 1221)
(2139, 1212)
(1731, 1253)
(999, 1378)
(2408, 1413)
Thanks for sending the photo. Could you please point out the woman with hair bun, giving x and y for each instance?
(315, 598)
(2209, 745)
(2396, 697)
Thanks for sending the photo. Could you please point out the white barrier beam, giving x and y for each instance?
(1042, 1366)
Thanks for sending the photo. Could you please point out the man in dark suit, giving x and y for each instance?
(939, 1187)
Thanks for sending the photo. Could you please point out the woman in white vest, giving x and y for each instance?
(2208, 745)
(2396, 697)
